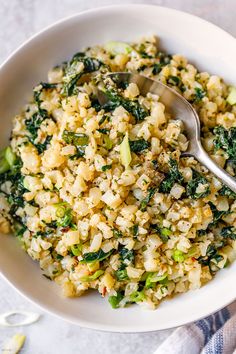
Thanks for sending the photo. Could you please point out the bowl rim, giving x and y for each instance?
(78, 15)
(102, 327)
(104, 8)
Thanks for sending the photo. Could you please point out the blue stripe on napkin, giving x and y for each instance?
(211, 324)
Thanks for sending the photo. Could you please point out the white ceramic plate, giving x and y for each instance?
(205, 45)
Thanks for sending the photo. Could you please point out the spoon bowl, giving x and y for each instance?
(179, 108)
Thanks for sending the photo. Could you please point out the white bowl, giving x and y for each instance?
(204, 44)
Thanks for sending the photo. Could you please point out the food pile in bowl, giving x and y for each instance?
(100, 195)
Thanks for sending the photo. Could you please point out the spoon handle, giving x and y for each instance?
(219, 172)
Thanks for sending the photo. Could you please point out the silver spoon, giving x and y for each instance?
(181, 109)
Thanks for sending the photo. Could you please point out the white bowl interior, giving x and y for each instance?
(205, 45)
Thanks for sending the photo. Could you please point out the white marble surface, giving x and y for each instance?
(19, 19)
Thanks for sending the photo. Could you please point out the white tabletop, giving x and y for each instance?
(19, 19)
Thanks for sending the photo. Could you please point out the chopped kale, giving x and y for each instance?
(90, 64)
(15, 196)
(228, 232)
(95, 256)
(103, 130)
(47, 85)
(79, 140)
(199, 94)
(143, 53)
(106, 167)
(126, 258)
(96, 105)
(41, 147)
(163, 60)
(59, 257)
(226, 140)
(163, 232)
(172, 177)
(73, 74)
(211, 251)
(16, 200)
(103, 119)
(211, 255)
(217, 214)
(227, 192)
(52, 224)
(174, 80)
(33, 125)
(141, 68)
(155, 164)
(126, 255)
(157, 67)
(138, 146)
(201, 232)
(120, 84)
(134, 230)
(196, 181)
(182, 87)
(38, 90)
(146, 200)
(45, 233)
(117, 233)
(132, 106)
(218, 258)
(20, 230)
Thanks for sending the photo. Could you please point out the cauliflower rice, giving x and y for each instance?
(100, 195)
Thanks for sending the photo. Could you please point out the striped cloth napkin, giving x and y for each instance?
(215, 334)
